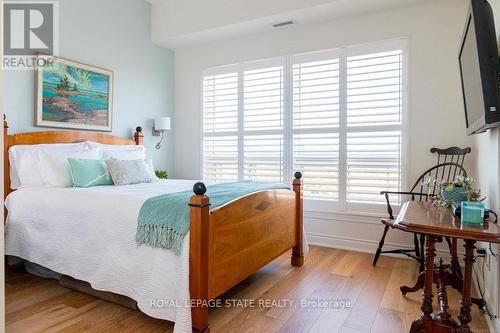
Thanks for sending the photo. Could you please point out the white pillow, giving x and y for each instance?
(15, 182)
(25, 161)
(121, 152)
(151, 169)
(55, 168)
(136, 153)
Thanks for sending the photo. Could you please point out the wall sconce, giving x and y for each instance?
(162, 124)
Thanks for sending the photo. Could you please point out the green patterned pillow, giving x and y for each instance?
(87, 173)
(128, 172)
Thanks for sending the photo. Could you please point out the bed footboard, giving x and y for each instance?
(235, 240)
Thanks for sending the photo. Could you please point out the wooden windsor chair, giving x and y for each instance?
(449, 166)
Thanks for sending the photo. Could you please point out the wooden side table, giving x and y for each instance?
(423, 218)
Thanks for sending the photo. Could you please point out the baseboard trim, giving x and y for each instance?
(358, 244)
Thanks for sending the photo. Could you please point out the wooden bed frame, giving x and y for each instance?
(227, 244)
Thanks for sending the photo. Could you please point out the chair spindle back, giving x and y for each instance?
(449, 165)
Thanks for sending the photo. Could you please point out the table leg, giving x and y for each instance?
(421, 259)
(455, 266)
(457, 277)
(418, 285)
(424, 322)
(442, 319)
(465, 304)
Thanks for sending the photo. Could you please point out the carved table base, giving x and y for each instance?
(454, 278)
(443, 276)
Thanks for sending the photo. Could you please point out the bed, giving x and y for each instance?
(224, 245)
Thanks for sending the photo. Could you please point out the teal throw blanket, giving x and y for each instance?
(164, 220)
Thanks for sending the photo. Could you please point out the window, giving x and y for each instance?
(336, 116)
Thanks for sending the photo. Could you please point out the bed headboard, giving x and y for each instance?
(34, 138)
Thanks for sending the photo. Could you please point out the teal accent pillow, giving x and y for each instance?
(87, 172)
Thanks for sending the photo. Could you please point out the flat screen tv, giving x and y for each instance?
(479, 69)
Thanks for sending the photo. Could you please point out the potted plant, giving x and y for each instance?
(161, 174)
(457, 191)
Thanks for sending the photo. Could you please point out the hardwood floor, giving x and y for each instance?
(39, 305)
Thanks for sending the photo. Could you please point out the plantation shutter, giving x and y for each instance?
(374, 108)
(220, 127)
(315, 125)
(263, 124)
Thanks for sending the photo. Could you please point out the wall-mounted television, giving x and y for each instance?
(480, 69)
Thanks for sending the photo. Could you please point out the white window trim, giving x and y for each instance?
(318, 205)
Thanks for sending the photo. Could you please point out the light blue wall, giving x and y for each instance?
(112, 34)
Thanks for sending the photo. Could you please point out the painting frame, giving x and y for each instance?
(71, 124)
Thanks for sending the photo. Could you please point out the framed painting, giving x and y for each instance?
(73, 95)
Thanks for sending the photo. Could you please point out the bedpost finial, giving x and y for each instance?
(139, 136)
(298, 175)
(199, 188)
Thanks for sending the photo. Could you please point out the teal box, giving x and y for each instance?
(472, 212)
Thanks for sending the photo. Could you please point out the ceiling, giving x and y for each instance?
(181, 23)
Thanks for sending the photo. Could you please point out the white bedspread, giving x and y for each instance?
(89, 234)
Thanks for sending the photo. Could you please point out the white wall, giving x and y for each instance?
(488, 179)
(435, 107)
(115, 36)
